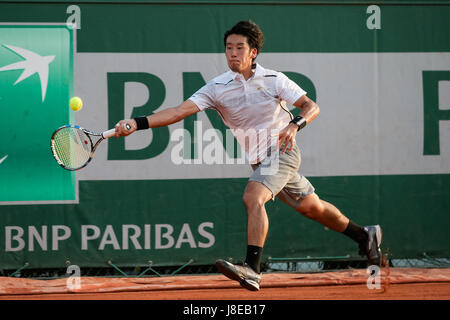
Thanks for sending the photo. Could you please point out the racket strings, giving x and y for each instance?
(72, 147)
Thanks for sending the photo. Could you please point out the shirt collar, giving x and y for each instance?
(259, 71)
(231, 75)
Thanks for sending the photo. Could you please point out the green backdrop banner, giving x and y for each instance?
(174, 223)
(36, 79)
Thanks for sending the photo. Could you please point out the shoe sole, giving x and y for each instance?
(384, 262)
(379, 236)
(247, 284)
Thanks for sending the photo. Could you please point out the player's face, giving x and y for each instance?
(238, 53)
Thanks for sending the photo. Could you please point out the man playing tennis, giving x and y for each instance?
(252, 102)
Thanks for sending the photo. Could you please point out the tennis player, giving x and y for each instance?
(252, 102)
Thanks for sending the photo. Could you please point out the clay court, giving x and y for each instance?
(395, 284)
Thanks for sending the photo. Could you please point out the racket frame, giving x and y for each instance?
(102, 135)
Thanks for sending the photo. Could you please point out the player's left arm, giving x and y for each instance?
(308, 111)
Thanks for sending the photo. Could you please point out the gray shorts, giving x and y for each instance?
(280, 172)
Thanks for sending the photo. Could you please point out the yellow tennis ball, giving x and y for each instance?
(76, 104)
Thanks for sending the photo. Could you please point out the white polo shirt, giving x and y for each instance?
(255, 110)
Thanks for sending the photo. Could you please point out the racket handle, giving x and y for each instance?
(109, 133)
(112, 132)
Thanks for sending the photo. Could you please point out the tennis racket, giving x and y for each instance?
(73, 148)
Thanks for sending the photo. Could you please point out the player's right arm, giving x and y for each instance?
(159, 119)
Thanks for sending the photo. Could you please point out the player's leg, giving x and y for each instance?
(312, 207)
(268, 179)
(255, 197)
(321, 211)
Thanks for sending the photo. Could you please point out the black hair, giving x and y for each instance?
(250, 30)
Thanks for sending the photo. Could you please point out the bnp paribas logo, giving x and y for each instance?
(31, 63)
(36, 82)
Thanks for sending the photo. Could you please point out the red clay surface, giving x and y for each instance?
(411, 291)
(395, 284)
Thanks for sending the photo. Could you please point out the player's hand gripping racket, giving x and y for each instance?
(73, 148)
